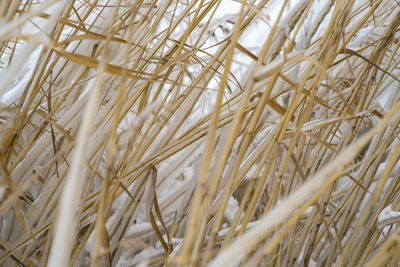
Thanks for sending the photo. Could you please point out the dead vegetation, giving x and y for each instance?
(169, 133)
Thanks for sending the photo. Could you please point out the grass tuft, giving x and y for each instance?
(196, 133)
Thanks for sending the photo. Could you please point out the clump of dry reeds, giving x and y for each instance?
(177, 133)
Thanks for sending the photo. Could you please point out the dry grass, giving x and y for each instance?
(162, 133)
